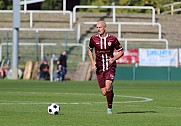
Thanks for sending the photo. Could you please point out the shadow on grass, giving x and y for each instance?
(134, 112)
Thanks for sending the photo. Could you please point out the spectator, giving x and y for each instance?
(57, 74)
(44, 71)
(63, 63)
(54, 58)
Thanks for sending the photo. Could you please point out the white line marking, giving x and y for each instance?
(143, 99)
(160, 107)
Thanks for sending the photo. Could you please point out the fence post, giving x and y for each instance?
(51, 69)
(172, 9)
(114, 13)
(7, 52)
(66, 40)
(31, 19)
(36, 45)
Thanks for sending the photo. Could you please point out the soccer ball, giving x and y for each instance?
(53, 109)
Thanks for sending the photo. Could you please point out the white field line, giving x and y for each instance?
(159, 107)
(141, 99)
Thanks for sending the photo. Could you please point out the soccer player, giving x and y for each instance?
(104, 64)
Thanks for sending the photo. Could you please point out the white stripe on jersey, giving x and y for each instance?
(103, 62)
(107, 62)
(104, 42)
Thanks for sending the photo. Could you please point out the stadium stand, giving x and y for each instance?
(68, 31)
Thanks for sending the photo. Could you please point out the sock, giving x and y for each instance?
(109, 97)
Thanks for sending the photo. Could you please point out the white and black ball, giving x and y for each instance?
(53, 109)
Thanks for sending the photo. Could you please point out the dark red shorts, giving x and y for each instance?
(105, 75)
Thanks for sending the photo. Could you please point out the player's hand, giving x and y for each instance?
(111, 60)
(94, 66)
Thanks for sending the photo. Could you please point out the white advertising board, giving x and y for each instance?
(158, 57)
(179, 57)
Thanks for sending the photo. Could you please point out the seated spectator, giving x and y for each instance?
(44, 71)
(57, 74)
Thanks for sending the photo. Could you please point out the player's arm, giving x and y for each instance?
(91, 56)
(120, 50)
(119, 55)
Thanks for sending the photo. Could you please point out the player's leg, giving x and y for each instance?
(108, 92)
(106, 89)
(105, 83)
(109, 88)
(109, 95)
(101, 81)
(103, 91)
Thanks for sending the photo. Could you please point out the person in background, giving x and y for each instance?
(57, 74)
(44, 71)
(63, 62)
(104, 64)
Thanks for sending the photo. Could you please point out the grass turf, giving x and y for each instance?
(25, 102)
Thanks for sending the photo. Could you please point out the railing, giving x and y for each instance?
(114, 10)
(28, 44)
(126, 40)
(31, 12)
(42, 45)
(172, 10)
(119, 27)
(37, 29)
(73, 19)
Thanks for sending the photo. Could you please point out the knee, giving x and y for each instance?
(103, 92)
(108, 88)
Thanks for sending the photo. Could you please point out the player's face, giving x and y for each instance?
(101, 28)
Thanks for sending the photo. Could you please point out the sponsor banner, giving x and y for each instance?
(130, 56)
(179, 57)
(158, 57)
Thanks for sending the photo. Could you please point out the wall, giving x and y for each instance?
(148, 73)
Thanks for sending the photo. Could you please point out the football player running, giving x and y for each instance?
(104, 62)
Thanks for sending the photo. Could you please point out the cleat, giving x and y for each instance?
(109, 111)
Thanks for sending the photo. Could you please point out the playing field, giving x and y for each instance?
(136, 103)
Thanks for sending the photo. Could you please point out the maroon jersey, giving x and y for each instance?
(104, 48)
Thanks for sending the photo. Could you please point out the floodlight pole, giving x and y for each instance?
(15, 49)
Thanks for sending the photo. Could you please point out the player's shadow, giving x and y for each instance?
(136, 112)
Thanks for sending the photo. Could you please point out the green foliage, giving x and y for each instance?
(123, 2)
(2, 5)
(6, 4)
(154, 3)
(52, 5)
(57, 4)
(100, 3)
(85, 2)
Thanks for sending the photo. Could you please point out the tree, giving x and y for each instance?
(52, 5)
(6, 4)
(100, 3)
(2, 5)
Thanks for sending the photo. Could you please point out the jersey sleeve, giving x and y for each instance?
(117, 45)
(91, 44)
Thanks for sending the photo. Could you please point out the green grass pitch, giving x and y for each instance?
(136, 103)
